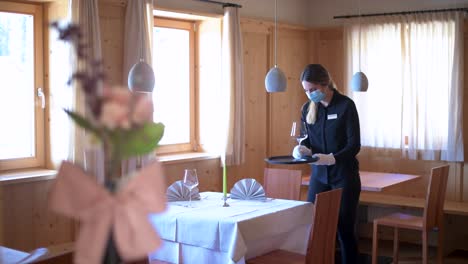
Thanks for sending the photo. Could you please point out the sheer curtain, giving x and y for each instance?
(60, 98)
(66, 138)
(415, 68)
(86, 14)
(232, 88)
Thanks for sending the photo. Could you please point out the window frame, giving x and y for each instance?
(38, 159)
(188, 25)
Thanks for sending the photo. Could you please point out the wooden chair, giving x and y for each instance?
(282, 183)
(321, 245)
(432, 219)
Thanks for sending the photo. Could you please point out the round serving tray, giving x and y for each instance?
(290, 160)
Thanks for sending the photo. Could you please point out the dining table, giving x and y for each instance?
(207, 232)
(377, 181)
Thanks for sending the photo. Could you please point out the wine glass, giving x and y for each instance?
(299, 131)
(190, 181)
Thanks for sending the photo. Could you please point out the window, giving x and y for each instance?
(21, 103)
(174, 92)
(413, 102)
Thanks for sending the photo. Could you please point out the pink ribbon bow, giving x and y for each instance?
(79, 196)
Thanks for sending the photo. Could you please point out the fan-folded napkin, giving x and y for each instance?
(248, 189)
(179, 192)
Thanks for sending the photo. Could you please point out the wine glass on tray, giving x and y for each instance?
(299, 131)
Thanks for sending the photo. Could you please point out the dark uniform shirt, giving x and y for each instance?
(336, 130)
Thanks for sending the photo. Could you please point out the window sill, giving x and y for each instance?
(32, 175)
(185, 157)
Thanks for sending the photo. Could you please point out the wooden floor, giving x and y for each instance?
(410, 253)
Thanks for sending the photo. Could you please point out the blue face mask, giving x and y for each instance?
(316, 96)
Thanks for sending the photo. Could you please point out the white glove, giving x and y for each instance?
(324, 159)
(300, 151)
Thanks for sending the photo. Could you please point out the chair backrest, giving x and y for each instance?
(435, 197)
(282, 183)
(321, 246)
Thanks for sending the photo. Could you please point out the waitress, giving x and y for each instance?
(334, 138)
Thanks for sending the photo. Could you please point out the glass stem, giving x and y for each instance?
(190, 197)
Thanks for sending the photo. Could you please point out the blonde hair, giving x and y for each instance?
(311, 113)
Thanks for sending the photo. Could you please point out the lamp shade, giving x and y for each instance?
(275, 80)
(141, 78)
(359, 82)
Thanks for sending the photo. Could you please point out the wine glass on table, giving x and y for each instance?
(190, 181)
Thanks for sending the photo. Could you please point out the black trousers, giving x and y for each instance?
(348, 213)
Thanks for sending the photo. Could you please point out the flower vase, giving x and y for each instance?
(95, 164)
(111, 255)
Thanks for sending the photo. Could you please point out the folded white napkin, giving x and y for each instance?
(248, 189)
(179, 192)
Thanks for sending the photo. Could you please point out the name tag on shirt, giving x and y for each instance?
(332, 116)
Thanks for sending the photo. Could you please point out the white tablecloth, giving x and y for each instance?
(210, 233)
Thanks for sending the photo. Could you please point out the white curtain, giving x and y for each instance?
(60, 98)
(232, 88)
(414, 64)
(138, 46)
(85, 13)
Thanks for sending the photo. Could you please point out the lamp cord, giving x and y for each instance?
(359, 21)
(142, 35)
(276, 5)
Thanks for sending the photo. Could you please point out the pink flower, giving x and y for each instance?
(122, 109)
(118, 94)
(143, 110)
(114, 115)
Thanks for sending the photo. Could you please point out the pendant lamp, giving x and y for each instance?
(141, 75)
(275, 80)
(359, 82)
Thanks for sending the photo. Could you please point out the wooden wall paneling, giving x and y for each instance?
(51, 228)
(293, 54)
(256, 26)
(454, 187)
(208, 172)
(313, 36)
(112, 26)
(255, 45)
(17, 217)
(330, 53)
(28, 223)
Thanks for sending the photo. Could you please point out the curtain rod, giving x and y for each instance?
(220, 3)
(403, 13)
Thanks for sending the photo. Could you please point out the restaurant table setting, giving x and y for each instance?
(207, 232)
